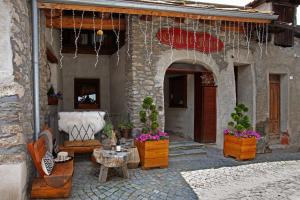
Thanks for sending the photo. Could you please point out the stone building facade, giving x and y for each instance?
(16, 118)
(140, 72)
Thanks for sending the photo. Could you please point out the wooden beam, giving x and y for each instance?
(132, 11)
(87, 23)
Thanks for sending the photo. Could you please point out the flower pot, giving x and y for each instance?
(153, 153)
(52, 100)
(133, 158)
(239, 148)
(126, 133)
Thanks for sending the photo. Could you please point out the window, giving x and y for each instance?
(178, 91)
(86, 93)
(285, 38)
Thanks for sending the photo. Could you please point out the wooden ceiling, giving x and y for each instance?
(132, 11)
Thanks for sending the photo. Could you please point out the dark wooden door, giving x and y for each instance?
(198, 107)
(205, 120)
(274, 104)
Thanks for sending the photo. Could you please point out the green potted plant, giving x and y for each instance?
(152, 144)
(52, 98)
(125, 128)
(239, 139)
(108, 131)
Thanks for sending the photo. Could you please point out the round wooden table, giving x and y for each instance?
(111, 159)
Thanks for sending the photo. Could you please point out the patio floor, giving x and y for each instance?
(209, 176)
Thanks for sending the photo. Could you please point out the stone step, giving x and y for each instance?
(185, 145)
(187, 152)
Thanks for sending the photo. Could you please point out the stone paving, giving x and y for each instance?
(269, 176)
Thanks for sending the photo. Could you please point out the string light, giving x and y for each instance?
(238, 44)
(187, 37)
(144, 32)
(151, 43)
(249, 41)
(209, 41)
(97, 50)
(204, 36)
(267, 37)
(159, 28)
(225, 38)
(75, 32)
(61, 40)
(258, 34)
(128, 36)
(233, 42)
(195, 29)
(117, 35)
(51, 25)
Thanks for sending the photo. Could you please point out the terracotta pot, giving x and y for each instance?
(52, 100)
(284, 139)
(126, 133)
(153, 153)
(239, 148)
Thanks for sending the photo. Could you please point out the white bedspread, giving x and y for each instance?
(81, 125)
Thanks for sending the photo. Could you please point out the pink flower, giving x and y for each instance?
(152, 137)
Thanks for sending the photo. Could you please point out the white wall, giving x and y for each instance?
(118, 83)
(180, 120)
(13, 180)
(83, 67)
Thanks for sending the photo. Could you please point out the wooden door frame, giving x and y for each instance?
(199, 114)
(276, 80)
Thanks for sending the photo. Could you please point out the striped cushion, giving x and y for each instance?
(47, 163)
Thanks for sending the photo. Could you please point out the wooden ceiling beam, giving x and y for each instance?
(132, 11)
(87, 23)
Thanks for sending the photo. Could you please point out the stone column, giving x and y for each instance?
(15, 98)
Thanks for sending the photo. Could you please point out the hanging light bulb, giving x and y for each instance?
(99, 32)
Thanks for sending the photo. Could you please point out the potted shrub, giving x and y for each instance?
(239, 139)
(152, 144)
(125, 128)
(108, 131)
(53, 97)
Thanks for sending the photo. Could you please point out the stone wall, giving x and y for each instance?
(147, 78)
(285, 62)
(16, 117)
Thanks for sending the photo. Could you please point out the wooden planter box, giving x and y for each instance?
(153, 153)
(239, 148)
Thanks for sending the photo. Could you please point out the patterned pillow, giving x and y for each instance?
(47, 163)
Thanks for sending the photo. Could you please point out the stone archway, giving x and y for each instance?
(224, 80)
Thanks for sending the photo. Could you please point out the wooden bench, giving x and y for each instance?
(59, 183)
(85, 146)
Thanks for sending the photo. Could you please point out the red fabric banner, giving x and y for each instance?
(181, 39)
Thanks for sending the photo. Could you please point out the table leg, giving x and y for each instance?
(103, 174)
(125, 171)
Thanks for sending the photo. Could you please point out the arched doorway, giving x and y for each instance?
(190, 95)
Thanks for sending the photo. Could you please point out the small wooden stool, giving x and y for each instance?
(111, 159)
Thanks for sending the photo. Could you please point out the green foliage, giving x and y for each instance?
(240, 121)
(125, 125)
(51, 91)
(107, 129)
(149, 116)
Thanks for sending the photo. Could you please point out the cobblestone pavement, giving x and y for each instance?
(269, 176)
